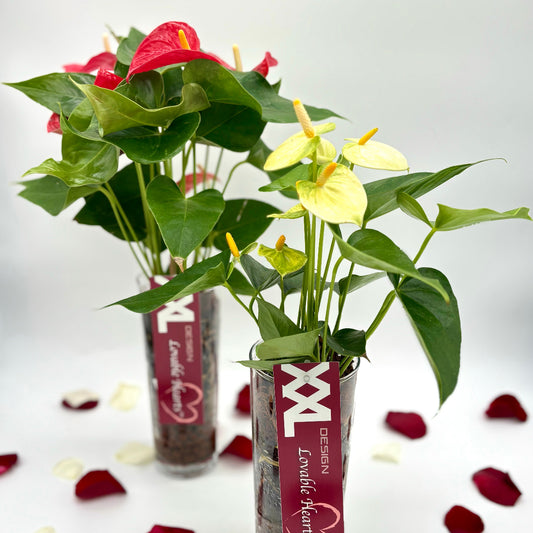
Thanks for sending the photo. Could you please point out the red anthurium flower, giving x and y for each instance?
(496, 486)
(7, 461)
(460, 520)
(265, 65)
(105, 60)
(409, 424)
(163, 46)
(243, 400)
(506, 406)
(240, 446)
(97, 483)
(169, 529)
(54, 125)
(201, 176)
(107, 79)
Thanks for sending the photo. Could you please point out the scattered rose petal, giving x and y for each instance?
(389, 451)
(7, 461)
(135, 453)
(460, 520)
(70, 469)
(125, 397)
(496, 486)
(81, 399)
(107, 79)
(97, 483)
(169, 529)
(53, 125)
(105, 60)
(243, 400)
(46, 529)
(506, 406)
(240, 446)
(409, 424)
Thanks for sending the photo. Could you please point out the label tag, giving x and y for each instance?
(177, 345)
(309, 447)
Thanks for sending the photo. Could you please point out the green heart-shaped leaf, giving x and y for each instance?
(450, 218)
(184, 222)
(273, 322)
(299, 345)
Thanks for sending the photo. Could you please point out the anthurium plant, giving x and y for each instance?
(336, 211)
(140, 128)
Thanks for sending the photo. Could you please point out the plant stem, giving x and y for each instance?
(167, 163)
(342, 299)
(217, 168)
(235, 167)
(424, 245)
(318, 281)
(241, 303)
(282, 303)
(194, 175)
(328, 306)
(206, 163)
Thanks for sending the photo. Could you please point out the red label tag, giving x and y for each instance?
(177, 345)
(309, 447)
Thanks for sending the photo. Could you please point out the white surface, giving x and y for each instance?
(447, 82)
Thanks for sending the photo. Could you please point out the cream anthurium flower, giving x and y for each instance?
(337, 196)
(302, 144)
(284, 259)
(372, 154)
(325, 152)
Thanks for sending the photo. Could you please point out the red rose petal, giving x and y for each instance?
(97, 483)
(7, 461)
(496, 486)
(91, 404)
(169, 529)
(54, 125)
(105, 60)
(240, 446)
(506, 406)
(243, 400)
(409, 424)
(107, 79)
(460, 520)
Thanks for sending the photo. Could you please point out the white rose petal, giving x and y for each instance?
(78, 397)
(125, 397)
(135, 453)
(390, 452)
(70, 469)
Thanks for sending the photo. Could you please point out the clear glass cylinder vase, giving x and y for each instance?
(265, 444)
(184, 448)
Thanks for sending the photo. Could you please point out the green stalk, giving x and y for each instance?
(342, 299)
(328, 306)
(318, 282)
(240, 302)
(282, 303)
(206, 163)
(167, 163)
(311, 311)
(217, 168)
(326, 271)
(424, 245)
(235, 167)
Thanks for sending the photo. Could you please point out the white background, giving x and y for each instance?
(447, 82)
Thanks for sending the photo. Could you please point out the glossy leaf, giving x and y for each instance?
(288, 180)
(350, 342)
(55, 91)
(299, 345)
(52, 194)
(437, 326)
(354, 282)
(382, 194)
(199, 277)
(84, 162)
(245, 219)
(184, 222)
(268, 365)
(412, 208)
(260, 276)
(273, 322)
(115, 112)
(146, 89)
(128, 45)
(450, 218)
(240, 284)
(372, 249)
(97, 210)
(149, 145)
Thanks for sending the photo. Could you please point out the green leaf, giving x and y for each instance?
(356, 282)
(98, 212)
(146, 89)
(199, 277)
(273, 322)
(149, 145)
(299, 345)
(84, 162)
(288, 181)
(350, 342)
(245, 219)
(372, 249)
(437, 326)
(450, 218)
(52, 194)
(412, 208)
(55, 91)
(269, 365)
(127, 47)
(382, 194)
(240, 284)
(260, 276)
(173, 84)
(115, 112)
(184, 222)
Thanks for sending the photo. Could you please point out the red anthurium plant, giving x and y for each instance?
(340, 253)
(144, 131)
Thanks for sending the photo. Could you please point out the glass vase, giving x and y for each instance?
(185, 441)
(268, 517)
